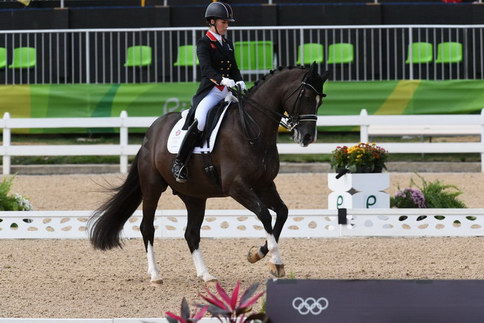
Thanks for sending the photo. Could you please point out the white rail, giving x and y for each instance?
(303, 223)
(399, 123)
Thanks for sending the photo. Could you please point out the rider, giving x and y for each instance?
(219, 71)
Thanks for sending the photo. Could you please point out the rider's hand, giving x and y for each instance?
(227, 82)
(242, 85)
(230, 97)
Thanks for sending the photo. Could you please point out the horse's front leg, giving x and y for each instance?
(270, 197)
(246, 196)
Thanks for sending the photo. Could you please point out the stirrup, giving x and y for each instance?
(179, 172)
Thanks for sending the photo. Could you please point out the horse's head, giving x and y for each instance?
(302, 105)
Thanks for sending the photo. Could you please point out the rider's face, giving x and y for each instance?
(222, 26)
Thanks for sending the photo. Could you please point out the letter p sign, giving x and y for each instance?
(370, 201)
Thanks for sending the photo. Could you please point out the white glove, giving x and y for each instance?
(230, 97)
(242, 85)
(227, 82)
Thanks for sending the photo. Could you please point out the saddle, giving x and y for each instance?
(209, 136)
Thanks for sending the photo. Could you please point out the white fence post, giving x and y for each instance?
(482, 140)
(6, 144)
(123, 143)
(364, 126)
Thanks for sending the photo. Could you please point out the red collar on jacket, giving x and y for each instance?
(212, 37)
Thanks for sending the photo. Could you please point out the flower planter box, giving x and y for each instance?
(358, 191)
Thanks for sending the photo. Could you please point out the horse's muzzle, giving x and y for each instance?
(306, 140)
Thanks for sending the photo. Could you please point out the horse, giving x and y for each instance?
(246, 166)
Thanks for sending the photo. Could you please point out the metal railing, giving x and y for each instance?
(379, 53)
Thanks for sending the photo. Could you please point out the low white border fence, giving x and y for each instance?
(302, 223)
(453, 123)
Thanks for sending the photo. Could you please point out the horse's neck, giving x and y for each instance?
(265, 106)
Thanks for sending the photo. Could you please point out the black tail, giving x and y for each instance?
(107, 221)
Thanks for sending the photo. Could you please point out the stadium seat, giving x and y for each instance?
(310, 53)
(340, 53)
(421, 52)
(449, 52)
(3, 57)
(138, 56)
(24, 57)
(254, 55)
(185, 56)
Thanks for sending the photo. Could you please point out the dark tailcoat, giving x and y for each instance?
(216, 61)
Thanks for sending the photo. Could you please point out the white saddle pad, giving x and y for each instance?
(177, 134)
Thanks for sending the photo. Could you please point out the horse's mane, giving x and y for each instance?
(267, 76)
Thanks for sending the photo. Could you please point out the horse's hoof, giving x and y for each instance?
(253, 256)
(157, 281)
(277, 270)
(211, 283)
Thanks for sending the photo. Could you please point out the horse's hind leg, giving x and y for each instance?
(152, 185)
(195, 214)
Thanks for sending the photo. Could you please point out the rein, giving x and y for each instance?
(287, 121)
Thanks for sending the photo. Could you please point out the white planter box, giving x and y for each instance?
(358, 191)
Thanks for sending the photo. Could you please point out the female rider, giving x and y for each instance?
(219, 71)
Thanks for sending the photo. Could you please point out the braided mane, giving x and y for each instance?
(269, 75)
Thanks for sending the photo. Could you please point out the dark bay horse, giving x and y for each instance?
(246, 169)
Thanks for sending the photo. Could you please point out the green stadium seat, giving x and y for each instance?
(138, 56)
(341, 53)
(185, 56)
(24, 57)
(3, 57)
(449, 52)
(421, 52)
(310, 53)
(254, 55)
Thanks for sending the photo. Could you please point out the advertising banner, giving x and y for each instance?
(155, 99)
(365, 301)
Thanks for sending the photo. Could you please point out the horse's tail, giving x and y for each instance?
(107, 221)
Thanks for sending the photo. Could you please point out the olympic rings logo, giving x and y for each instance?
(310, 305)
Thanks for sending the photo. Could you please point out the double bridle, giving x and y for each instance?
(288, 121)
(293, 120)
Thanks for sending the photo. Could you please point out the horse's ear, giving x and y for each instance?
(313, 67)
(325, 76)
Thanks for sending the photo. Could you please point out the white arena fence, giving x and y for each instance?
(301, 223)
(370, 125)
(376, 53)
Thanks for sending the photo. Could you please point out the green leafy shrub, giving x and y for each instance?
(12, 202)
(428, 195)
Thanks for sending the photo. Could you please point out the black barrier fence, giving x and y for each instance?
(350, 53)
(370, 301)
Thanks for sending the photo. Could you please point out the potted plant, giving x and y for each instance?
(360, 158)
(233, 308)
(359, 181)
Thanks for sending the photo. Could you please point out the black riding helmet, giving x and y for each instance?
(219, 10)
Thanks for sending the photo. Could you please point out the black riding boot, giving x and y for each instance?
(189, 142)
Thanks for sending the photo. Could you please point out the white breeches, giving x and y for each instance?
(207, 103)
